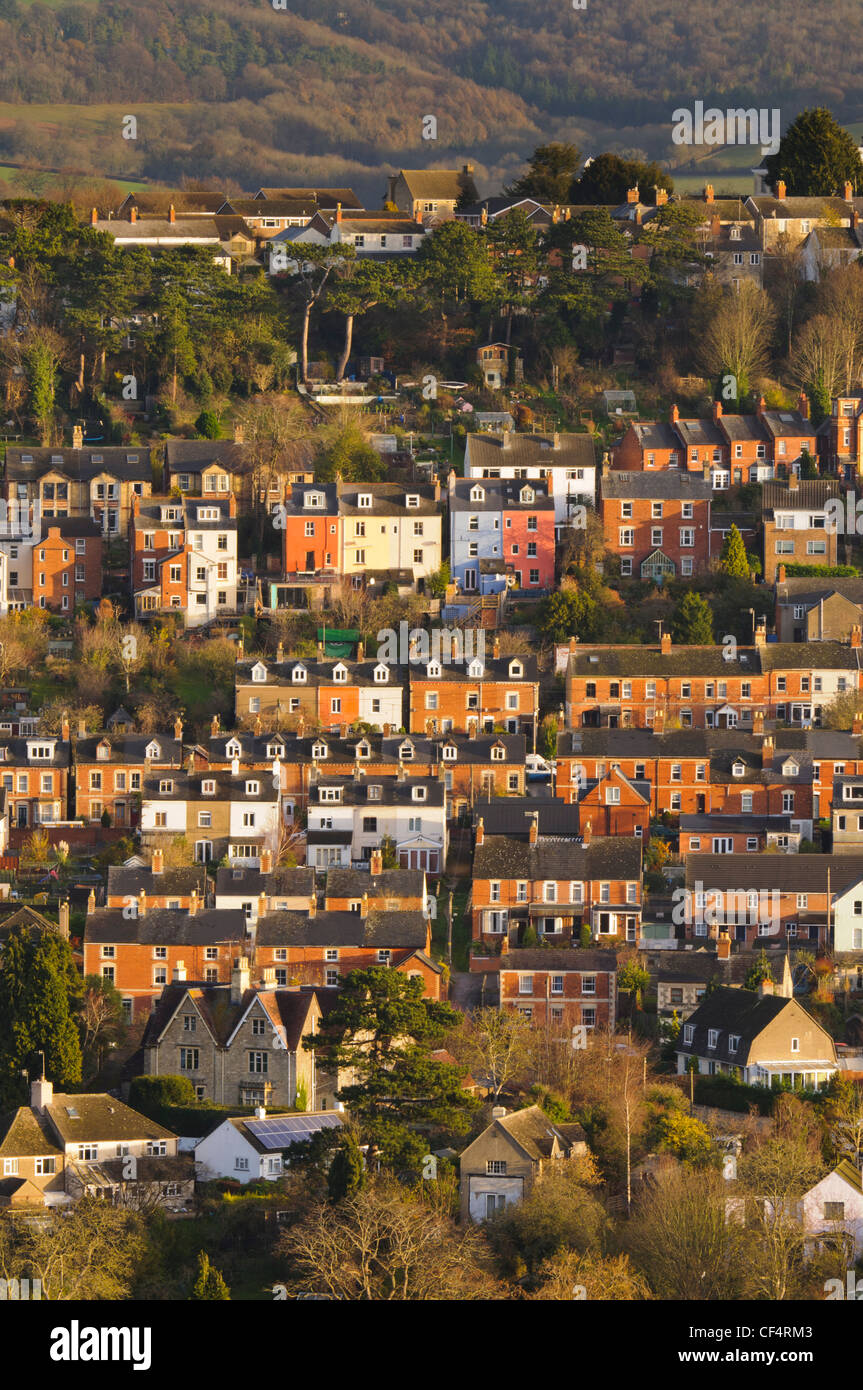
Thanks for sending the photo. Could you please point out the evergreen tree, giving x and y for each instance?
(815, 157)
(39, 991)
(733, 559)
(209, 1286)
(347, 1173)
(550, 174)
(692, 623)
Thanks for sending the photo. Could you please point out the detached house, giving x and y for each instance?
(248, 1150)
(502, 1165)
(430, 196)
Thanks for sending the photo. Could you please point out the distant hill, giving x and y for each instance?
(335, 90)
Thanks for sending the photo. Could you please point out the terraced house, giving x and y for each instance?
(348, 818)
(505, 528)
(797, 529)
(745, 896)
(184, 557)
(658, 523)
(98, 483)
(561, 989)
(329, 695)
(556, 886)
(478, 696)
(566, 463)
(235, 813)
(110, 771)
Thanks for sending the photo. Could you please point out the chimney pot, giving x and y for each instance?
(266, 861)
(172, 216)
(856, 635)
(665, 644)
(157, 862)
(480, 832)
(708, 193)
(781, 190)
(723, 946)
(376, 863)
(41, 1094)
(848, 191)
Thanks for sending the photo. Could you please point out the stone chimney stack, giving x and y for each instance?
(178, 729)
(723, 946)
(214, 726)
(63, 918)
(262, 904)
(142, 903)
(665, 644)
(364, 906)
(480, 833)
(708, 193)
(239, 434)
(495, 649)
(793, 482)
(781, 190)
(157, 862)
(451, 481)
(587, 834)
(765, 989)
(172, 216)
(77, 436)
(856, 633)
(91, 901)
(266, 861)
(193, 903)
(506, 439)
(240, 976)
(376, 863)
(533, 834)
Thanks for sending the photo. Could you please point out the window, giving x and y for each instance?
(525, 984)
(834, 1211)
(189, 1058)
(259, 1063)
(496, 1167)
(45, 1167)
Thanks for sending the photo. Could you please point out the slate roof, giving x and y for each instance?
(700, 967)
(128, 748)
(318, 673)
(290, 883)
(667, 483)
(789, 873)
(500, 494)
(392, 792)
(609, 857)
(511, 815)
(534, 1132)
(397, 929)
(287, 1009)
(187, 786)
(170, 883)
(388, 499)
(194, 228)
(742, 825)
(165, 927)
(191, 455)
(740, 428)
(809, 590)
(745, 1013)
(532, 450)
(324, 197)
(102, 1118)
(698, 432)
(810, 494)
(656, 434)
(494, 669)
(80, 465)
(390, 883)
(556, 958)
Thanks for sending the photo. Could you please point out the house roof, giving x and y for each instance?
(165, 927)
(100, 1117)
(797, 873)
(180, 882)
(191, 455)
(655, 434)
(24, 1134)
(809, 493)
(250, 883)
(744, 1013)
(534, 1132)
(323, 197)
(809, 590)
(128, 748)
(667, 483)
(559, 958)
(390, 883)
(532, 450)
(80, 465)
(287, 1009)
(611, 857)
(511, 815)
(441, 184)
(500, 494)
(379, 930)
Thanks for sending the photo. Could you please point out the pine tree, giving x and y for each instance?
(733, 559)
(209, 1286)
(692, 624)
(39, 991)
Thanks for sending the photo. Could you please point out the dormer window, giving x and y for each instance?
(790, 769)
(153, 750)
(299, 674)
(406, 752)
(331, 793)
(433, 670)
(319, 750)
(475, 668)
(450, 752)
(382, 674)
(313, 499)
(364, 500)
(373, 791)
(340, 673)
(253, 788)
(412, 500)
(527, 494)
(498, 753)
(103, 752)
(419, 793)
(516, 669)
(737, 769)
(166, 788)
(259, 672)
(363, 750)
(233, 749)
(208, 787)
(477, 494)
(275, 750)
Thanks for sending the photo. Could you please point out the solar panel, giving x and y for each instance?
(280, 1131)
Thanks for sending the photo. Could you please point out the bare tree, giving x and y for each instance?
(821, 355)
(737, 339)
(495, 1044)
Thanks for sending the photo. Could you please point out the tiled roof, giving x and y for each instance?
(792, 873)
(532, 450)
(668, 483)
(504, 857)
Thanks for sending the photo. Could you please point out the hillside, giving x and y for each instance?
(335, 90)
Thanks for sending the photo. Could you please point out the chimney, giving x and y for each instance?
(266, 861)
(157, 862)
(848, 190)
(586, 834)
(674, 415)
(133, 213)
(665, 644)
(533, 833)
(239, 434)
(758, 722)
(781, 190)
(767, 749)
(803, 405)
(632, 195)
(765, 989)
(313, 905)
(41, 1094)
(262, 904)
(172, 216)
(142, 903)
(793, 482)
(91, 901)
(268, 977)
(77, 436)
(239, 978)
(178, 974)
(260, 1112)
(376, 863)
(857, 724)
(64, 728)
(259, 725)
(364, 906)
(301, 726)
(504, 945)
(190, 764)
(214, 726)
(235, 767)
(781, 574)
(82, 730)
(480, 833)
(178, 729)
(715, 226)
(280, 653)
(506, 439)
(495, 649)
(856, 633)
(706, 472)
(437, 489)
(94, 216)
(708, 193)
(338, 212)
(361, 652)
(761, 407)
(717, 410)
(232, 504)
(193, 903)
(63, 915)
(761, 632)
(498, 1112)
(723, 946)
(555, 440)
(450, 481)
(661, 197)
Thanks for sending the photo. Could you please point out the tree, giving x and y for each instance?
(736, 340)
(207, 425)
(101, 1020)
(608, 178)
(494, 1046)
(759, 971)
(42, 359)
(686, 1137)
(151, 1094)
(389, 858)
(550, 174)
(682, 1241)
(548, 732)
(562, 1212)
(361, 285)
(514, 247)
(209, 1286)
(39, 987)
(603, 1277)
(844, 1117)
(452, 267)
(569, 612)
(347, 1171)
(314, 270)
(439, 581)
(89, 1250)
(733, 559)
(385, 1243)
(632, 976)
(382, 1031)
(692, 621)
(815, 157)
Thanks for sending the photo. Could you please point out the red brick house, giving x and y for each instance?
(67, 564)
(657, 523)
(479, 696)
(560, 988)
